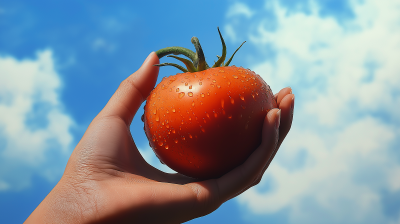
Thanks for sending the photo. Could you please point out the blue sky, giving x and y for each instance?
(61, 61)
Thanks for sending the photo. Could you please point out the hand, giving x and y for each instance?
(107, 180)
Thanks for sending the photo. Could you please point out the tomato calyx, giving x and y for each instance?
(197, 60)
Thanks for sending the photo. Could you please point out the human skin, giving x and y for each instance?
(106, 179)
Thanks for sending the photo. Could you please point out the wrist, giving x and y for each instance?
(68, 202)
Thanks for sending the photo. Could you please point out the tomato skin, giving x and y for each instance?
(204, 124)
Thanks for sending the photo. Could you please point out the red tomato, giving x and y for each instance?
(204, 124)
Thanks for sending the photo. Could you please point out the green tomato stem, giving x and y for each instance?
(172, 64)
(176, 51)
(222, 58)
(201, 63)
(189, 65)
(230, 59)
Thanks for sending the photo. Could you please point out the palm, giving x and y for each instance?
(112, 157)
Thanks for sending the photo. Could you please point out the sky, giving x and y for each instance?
(60, 62)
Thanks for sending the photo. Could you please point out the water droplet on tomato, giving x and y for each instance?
(241, 97)
(167, 126)
(207, 115)
(214, 81)
(186, 84)
(183, 138)
(202, 94)
(173, 131)
(202, 129)
(190, 136)
(235, 76)
(190, 87)
(243, 106)
(232, 101)
(193, 104)
(181, 94)
(166, 147)
(173, 110)
(222, 103)
(177, 89)
(176, 141)
(160, 143)
(157, 118)
(200, 83)
(190, 94)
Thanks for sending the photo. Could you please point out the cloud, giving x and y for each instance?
(101, 44)
(239, 9)
(33, 125)
(342, 152)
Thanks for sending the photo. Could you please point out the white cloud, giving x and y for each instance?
(346, 78)
(239, 9)
(33, 124)
(102, 44)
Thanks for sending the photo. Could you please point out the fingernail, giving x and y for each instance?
(278, 119)
(292, 104)
(290, 89)
(148, 58)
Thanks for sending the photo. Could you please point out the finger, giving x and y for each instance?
(281, 94)
(287, 108)
(244, 175)
(133, 91)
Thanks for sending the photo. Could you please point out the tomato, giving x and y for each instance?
(203, 124)
(206, 123)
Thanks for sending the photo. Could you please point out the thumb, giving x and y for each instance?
(133, 91)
